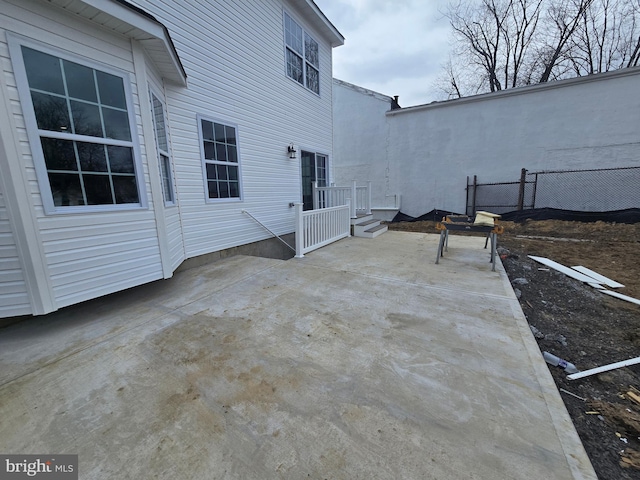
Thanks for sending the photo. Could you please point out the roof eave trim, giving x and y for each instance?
(338, 38)
(145, 22)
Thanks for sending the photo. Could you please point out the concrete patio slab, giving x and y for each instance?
(361, 360)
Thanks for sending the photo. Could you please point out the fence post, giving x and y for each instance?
(369, 198)
(353, 199)
(475, 189)
(299, 230)
(523, 179)
(348, 220)
(314, 188)
(466, 201)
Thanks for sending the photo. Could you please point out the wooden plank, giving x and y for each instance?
(621, 297)
(599, 278)
(566, 270)
(633, 396)
(604, 368)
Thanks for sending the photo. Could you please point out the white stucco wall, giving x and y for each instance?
(590, 122)
(361, 141)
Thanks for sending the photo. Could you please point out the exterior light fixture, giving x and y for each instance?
(291, 149)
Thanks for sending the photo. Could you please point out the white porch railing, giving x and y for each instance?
(317, 228)
(327, 197)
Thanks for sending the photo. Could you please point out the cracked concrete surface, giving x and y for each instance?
(361, 360)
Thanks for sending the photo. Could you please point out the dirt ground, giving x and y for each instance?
(577, 323)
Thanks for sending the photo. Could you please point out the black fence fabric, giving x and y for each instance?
(629, 215)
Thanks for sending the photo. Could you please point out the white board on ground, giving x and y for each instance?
(566, 270)
(621, 297)
(599, 278)
(604, 368)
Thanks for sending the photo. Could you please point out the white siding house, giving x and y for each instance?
(134, 134)
(425, 152)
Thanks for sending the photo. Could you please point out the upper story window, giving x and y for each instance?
(303, 63)
(162, 144)
(83, 131)
(219, 148)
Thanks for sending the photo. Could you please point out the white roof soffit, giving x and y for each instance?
(131, 21)
(315, 16)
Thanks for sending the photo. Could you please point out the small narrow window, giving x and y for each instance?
(162, 144)
(302, 56)
(219, 146)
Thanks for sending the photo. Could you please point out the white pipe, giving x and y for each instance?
(605, 368)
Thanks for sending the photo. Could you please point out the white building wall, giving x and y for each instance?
(590, 122)
(233, 53)
(87, 255)
(364, 156)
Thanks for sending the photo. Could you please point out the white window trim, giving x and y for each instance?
(16, 42)
(154, 93)
(240, 198)
(304, 59)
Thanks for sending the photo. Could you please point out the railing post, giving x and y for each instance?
(353, 199)
(314, 186)
(299, 230)
(369, 198)
(348, 220)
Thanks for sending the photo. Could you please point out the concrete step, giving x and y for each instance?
(373, 232)
(360, 227)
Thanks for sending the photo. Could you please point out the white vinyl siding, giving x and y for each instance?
(14, 299)
(240, 83)
(89, 254)
(172, 215)
(233, 77)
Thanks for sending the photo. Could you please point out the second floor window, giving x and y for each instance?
(303, 63)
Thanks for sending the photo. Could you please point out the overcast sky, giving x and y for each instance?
(394, 47)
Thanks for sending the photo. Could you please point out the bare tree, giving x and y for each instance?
(508, 43)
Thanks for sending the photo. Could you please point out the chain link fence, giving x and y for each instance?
(594, 190)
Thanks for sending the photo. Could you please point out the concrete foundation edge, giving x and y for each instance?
(268, 248)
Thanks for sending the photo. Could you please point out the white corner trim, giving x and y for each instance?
(22, 214)
(153, 166)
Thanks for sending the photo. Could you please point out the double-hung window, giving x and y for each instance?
(302, 58)
(219, 148)
(162, 144)
(83, 130)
